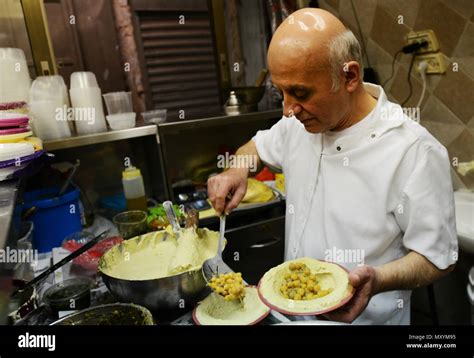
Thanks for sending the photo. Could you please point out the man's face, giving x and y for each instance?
(307, 93)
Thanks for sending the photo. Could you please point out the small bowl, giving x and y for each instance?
(155, 117)
(72, 294)
(121, 120)
(131, 223)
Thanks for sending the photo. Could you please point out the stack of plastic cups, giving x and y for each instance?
(48, 106)
(14, 76)
(86, 100)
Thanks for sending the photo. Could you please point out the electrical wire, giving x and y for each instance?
(393, 67)
(409, 81)
(422, 68)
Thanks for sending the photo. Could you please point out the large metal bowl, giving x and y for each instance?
(109, 315)
(168, 293)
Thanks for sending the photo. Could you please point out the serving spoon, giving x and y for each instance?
(215, 265)
(172, 219)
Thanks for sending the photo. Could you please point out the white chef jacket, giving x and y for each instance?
(374, 190)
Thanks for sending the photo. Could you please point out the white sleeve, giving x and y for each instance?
(427, 209)
(270, 143)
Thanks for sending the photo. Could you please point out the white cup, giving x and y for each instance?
(83, 80)
(14, 75)
(88, 110)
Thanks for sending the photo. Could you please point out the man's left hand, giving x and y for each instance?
(363, 279)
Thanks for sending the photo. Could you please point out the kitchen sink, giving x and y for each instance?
(464, 206)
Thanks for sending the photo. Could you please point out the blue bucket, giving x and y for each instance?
(54, 218)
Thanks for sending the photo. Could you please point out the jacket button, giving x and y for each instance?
(338, 148)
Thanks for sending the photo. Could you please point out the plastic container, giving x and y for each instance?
(121, 120)
(89, 260)
(86, 98)
(10, 120)
(131, 223)
(14, 74)
(10, 151)
(155, 117)
(134, 189)
(54, 218)
(72, 294)
(48, 107)
(118, 102)
(83, 79)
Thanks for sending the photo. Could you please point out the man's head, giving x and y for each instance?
(316, 63)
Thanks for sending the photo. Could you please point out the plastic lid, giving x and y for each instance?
(131, 173)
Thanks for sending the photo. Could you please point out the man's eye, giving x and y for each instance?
(300, 94)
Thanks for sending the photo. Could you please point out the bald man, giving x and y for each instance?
(366, 187)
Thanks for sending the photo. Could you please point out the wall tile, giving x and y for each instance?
(407, 8)
(447, 24)
(470, 125)
(386, 32)
(365, 12)
(455, 90)
(381, 61)
(444, 133)
(462, 148)
(464, 8)
(464, 52)
(325, 5)
(334, 3)
(435, 111)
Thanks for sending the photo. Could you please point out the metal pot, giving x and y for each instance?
(167, 293)
(110, 315)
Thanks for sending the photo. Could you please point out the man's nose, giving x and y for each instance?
(291, 108)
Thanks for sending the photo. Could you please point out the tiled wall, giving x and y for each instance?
(448, 108)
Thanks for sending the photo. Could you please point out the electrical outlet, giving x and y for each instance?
(435, 61)
(419, 36)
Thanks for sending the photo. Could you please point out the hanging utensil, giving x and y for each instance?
(69, 178)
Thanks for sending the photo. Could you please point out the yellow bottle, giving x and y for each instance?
(134, 189)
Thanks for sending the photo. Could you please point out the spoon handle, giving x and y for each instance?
(221, 234)
(173, 220)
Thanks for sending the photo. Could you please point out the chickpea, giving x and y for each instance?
(229, 285)
(300, 284)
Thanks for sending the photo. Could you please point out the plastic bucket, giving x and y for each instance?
(53, 218)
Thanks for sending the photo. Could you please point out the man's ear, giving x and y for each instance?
(352, 75)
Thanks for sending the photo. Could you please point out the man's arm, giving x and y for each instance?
(234, 180)
(409, 272)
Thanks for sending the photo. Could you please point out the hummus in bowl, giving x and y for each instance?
(215, 310)
(331, 280)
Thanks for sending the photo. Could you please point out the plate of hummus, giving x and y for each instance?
(305, 286)
(215, 310)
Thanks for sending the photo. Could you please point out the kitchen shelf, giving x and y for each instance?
(96, 138)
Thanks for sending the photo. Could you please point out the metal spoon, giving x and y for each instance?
(215, 265)
(172, 219)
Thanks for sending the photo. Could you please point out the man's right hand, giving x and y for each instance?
(233, 182)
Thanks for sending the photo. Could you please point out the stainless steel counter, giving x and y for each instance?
(8, 193)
